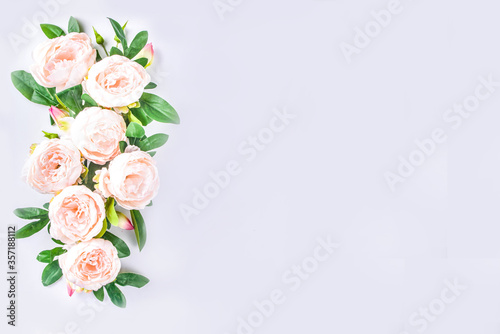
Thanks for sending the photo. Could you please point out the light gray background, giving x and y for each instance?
(322, 176)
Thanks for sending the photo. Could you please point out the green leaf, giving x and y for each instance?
(138, 43)
(97, 56)
(150, 203)
(59, 242)
(134, 130)
(119, 33)
(121, 246)
(26, 85)
(131, 279)
(142, 61)
(123, 146)
(44, 256)
(152, 153)
(73, 25)
(111, 212)
(153, 142)
(115, 51)
(158, 109)
(140, 114)
(89, 101)
(90, 175)
(99, 294)
(46, 205)
(48, 256)
(31, 213)
(31, 228)
(72, 98)
(139, 228)
(150, 85)
(52, 273)
(116, 295)
(51, 31)
(50, 135)
(132, 118)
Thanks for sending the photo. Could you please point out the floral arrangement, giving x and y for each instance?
(97, 162)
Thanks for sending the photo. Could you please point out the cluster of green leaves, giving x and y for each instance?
(52, 271)
(41, 217)
(70, 99)
(124, 279)
(137, 136)
(153, 108)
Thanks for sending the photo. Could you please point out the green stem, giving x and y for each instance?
(63, 106)
(48, 91)
(105, 51)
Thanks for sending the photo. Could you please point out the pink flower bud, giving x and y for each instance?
(146, 52)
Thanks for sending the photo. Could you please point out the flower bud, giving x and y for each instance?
(61, 118)
(124, 222)
(146, 52)
(98, 38)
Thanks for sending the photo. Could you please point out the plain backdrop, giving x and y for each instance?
(322, 176)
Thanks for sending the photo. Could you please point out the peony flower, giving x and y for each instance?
(64, 61)
(76, 214)
(97, 134)
(90, 264)
(54, 165)
(116, 81)
(132, 179)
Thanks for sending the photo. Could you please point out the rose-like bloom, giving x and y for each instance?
(54, 165)
(64, 61)
(116, 81)
(97, 134)
(76, 214)
(90, 264)
(132, 179)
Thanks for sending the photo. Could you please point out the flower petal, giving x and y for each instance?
(121, 110)
(71, 290)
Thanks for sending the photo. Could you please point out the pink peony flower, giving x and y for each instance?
(132, 179)
(64, 61)
(54, 165)
(76, 214)
(90, 264)
(116, 81)
(97, 134)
